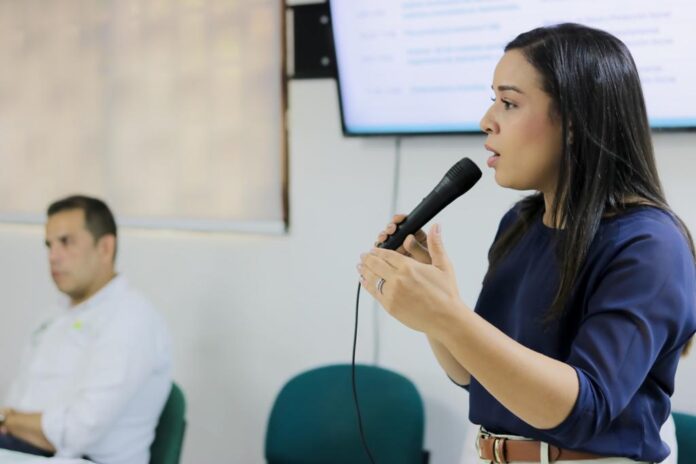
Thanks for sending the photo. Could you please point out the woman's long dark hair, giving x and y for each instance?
(607, 163)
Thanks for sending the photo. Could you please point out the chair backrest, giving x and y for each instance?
(169, 434)
(685, 425)
(313, 420)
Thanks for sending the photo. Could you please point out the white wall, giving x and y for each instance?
(248, 312)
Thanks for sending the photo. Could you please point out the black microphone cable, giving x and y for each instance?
(458, 180)
(355, 390)
(395, 187)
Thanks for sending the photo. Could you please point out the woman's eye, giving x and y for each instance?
(506, 104)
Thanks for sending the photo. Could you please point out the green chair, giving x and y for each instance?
(169, 434)
(685, 425)
(313, 419)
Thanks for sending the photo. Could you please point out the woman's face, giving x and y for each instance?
(526, 140)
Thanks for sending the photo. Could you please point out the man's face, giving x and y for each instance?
(75, 258)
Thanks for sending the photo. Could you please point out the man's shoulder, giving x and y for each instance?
(131, 297)
(130, 320)
(127, 308)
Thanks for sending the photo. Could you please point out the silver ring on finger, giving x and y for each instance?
(380, 285)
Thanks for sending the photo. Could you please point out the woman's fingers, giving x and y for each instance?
(416, 250)
(421, 237)
(398, 218)
(390, 229)
(379, 266)
(367, 278)
(372, 272)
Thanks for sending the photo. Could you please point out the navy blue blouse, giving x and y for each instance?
(633, 309)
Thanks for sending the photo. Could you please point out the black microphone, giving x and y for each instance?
(458, 180)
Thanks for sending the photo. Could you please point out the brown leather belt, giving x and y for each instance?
(501, 450)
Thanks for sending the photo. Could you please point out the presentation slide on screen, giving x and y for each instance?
(427, 65)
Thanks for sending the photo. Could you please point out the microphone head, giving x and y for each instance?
(463, 175)
(460, 178)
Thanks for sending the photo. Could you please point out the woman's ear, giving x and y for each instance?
(569, 134)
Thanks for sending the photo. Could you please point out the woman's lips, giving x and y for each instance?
(493, 160)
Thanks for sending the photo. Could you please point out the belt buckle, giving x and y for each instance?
(481, 434)
(498, 447)
(499, 450)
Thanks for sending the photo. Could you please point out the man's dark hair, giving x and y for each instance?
(98, 218)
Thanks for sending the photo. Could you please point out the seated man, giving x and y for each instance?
(96, 376)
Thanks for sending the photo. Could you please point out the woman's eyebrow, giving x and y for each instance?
(502, 88)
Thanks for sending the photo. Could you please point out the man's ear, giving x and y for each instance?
(107, 246)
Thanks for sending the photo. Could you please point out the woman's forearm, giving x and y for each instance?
(538, 389)
(449, 364)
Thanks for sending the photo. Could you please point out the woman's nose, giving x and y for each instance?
(487, 124)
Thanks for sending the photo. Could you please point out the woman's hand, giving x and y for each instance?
(421, 295)
(415, 245)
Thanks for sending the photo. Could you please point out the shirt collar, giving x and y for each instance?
(114, 286)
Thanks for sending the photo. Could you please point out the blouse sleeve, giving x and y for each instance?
(507, 220)
(641, 309)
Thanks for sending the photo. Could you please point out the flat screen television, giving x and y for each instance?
(426, 66)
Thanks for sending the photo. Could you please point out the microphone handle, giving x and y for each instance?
(424, 212)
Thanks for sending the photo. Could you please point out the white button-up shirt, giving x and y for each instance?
(100, 372)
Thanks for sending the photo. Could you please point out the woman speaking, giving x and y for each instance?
(590, 294)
